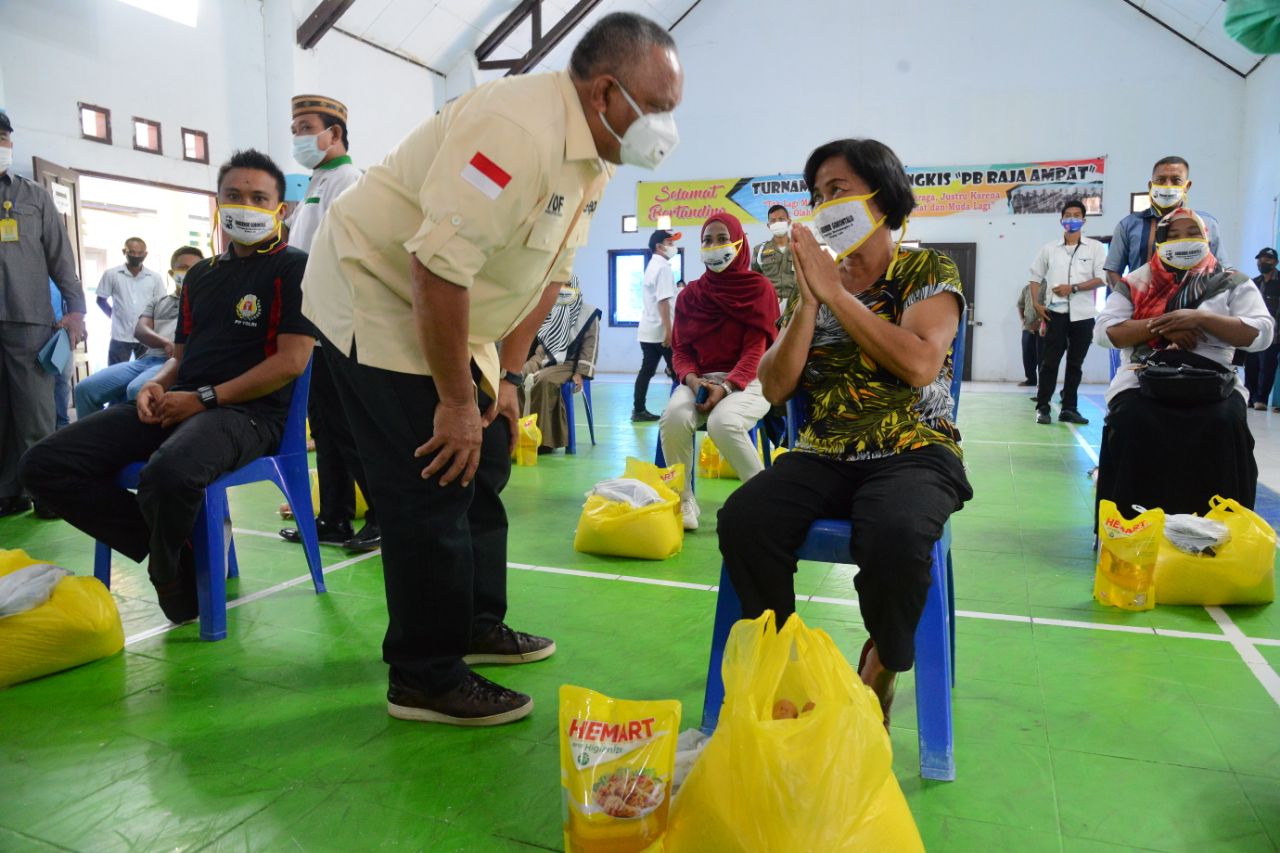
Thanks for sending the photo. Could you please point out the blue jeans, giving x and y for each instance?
(62, 396)
(115, 384)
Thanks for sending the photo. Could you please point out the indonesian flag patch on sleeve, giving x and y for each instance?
(485, 175)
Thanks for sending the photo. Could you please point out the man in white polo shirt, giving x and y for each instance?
(123, 292)
(1070, 269)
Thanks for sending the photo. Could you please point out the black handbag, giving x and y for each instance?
(1185, 379)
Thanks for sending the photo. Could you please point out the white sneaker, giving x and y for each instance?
(689, 509)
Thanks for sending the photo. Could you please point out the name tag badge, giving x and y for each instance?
(8, 230)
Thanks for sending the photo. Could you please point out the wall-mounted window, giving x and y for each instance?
(146, 135)
(626, 283)
(1139, 202)
(195, 145)
(95, 123)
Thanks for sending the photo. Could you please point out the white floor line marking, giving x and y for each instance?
(1080, 440)
(262, 593)
(968, 441)
(1231, 633)
(1253, 659)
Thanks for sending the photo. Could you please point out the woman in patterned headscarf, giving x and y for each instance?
(1185, 299)
(565, 350)
(866, 352)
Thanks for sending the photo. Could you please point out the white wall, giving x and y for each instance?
(942, 84)
(1259, 164)
(231, 76)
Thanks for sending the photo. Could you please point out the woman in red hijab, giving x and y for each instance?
(724, 322)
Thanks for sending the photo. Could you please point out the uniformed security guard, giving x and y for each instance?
(773, 258)
(34, 249)
(321, 142)
(459, 239)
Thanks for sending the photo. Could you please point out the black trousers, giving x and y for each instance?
(653, 353)
(26, 398)
(338, 466)
(1031, 355)
(444, 549)
(118, 351)
(1063, 336)
(74, 472)
(1260, 373)
(898, 506)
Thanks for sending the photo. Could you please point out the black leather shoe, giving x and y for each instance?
(501, 645)
(643, 417)
(43, 510)
(1042, 416)
(1027, 384)
(368, 539)
(1071, 416)
(477, 701)
(329, 532)
(14, 505)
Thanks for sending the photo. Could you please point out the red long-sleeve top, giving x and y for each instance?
(701, 345)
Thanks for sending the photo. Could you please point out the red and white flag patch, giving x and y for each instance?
(485, 175)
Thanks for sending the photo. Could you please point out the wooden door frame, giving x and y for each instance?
(967, 276)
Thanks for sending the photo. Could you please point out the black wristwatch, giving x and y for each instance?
(1075, 288)
(208, 396)
(514, 378)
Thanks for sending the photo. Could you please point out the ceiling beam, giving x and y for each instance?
(540, 44)
(1205, 51)
(320, 21)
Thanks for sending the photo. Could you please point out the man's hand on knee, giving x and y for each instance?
(176, 406)
(149, 402)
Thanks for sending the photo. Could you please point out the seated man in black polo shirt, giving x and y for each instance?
(218, 404)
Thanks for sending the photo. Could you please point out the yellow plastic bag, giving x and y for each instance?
(615, 528)
(616, 761)
(1242, 572)
(528, 438)
(1125, 576)
(362, 506)
(79, 623)
(823, 781)
(710, 464)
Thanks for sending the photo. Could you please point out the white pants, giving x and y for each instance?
(727, 425)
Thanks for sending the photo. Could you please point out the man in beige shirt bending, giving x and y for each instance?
(458, 240)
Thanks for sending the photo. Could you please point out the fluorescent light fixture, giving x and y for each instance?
(180, 11)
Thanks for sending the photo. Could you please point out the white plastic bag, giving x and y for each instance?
(28, 588)
(627, 490)
(688, 747)
(1192, 534)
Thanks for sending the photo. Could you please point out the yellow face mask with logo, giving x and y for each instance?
(845, 223)
(248, 225)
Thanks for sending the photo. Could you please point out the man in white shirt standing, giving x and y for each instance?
(654, 330)
(1070, 269)
(320, 143)
(123, 292)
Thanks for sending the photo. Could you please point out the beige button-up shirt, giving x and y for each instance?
(494, 193)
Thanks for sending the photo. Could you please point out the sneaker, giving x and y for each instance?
(690, 510)
(502, 645)
(1042, 415)
(1030, 383)
(1071, 416)
(477, 701)
(643, 416)
(1275, 408)
(1261, 407)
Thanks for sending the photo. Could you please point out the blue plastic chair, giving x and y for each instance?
(566, 395)
(828, 542)
(216, 558)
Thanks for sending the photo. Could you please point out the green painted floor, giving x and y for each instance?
(1069, 737)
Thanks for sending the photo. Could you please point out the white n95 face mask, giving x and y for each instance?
(1183, 254)
(6, 159)
(845, 223)
(306, 151)
(649, 139)
(248, 225)
(717, 258)
(1166, 196)
(780, 228)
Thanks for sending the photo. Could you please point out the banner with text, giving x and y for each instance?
(1009, 188)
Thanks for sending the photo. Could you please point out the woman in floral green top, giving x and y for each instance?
(866, 352)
